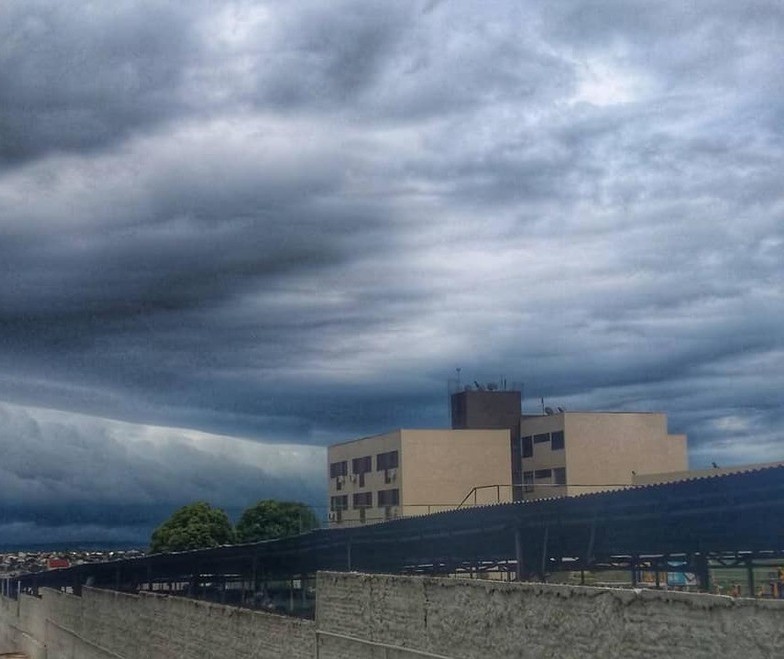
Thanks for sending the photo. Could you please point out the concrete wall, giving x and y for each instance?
(108, 625)
(367, 616)
(476, 619)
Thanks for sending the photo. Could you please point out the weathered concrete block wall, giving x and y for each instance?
(15, 617)
(466, 619)
(369, 616)
(110, 625)
(8, 615)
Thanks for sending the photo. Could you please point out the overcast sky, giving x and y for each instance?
(234, 232)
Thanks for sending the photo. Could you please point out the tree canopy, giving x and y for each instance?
(270, 519)
(194, 526)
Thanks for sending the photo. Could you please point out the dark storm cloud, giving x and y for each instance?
(292, 222)
(395, 62)
(83, 472)
(76, 76)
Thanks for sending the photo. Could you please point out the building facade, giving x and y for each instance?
(494, 453)
(415, 472)
(571, 453)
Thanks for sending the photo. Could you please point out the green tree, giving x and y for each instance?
(194, 526)
(270, 519)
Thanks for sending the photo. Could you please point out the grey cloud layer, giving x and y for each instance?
(293, 222)
(78, 76)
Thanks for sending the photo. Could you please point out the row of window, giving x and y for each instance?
(363, 465)
(555, 476)
(526, 447)
(365, 500)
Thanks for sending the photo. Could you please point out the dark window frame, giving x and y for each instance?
(557, 440)
(389, 497)
(387, 460)
(559, 475)
(527, 446)
(362, 465)
(362, 500)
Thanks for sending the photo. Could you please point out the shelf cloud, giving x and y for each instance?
(245, 229)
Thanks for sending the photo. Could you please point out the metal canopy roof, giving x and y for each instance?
(715, 515)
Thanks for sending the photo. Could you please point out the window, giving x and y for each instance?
(387, 461)
(361, 465)
(388, 498)
(338, 469)
(528, 481)
(542, 438)
(363, 500)
(557, 442)
(528, 447)
(540, 474)
(559, 476)
(339, 502)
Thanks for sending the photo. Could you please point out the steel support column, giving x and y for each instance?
(518, 536)
(750, 576)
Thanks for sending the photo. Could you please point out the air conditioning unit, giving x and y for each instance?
(390, 512)
(353, 478)
(392, 474)
(333, 516)
(341, 479)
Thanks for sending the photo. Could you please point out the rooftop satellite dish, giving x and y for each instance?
(549, 411)
(561, 410)
(492, 386)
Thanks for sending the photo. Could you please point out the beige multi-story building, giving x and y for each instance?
(494, 453)
(560, 453)
(570, 453)
(415, 472)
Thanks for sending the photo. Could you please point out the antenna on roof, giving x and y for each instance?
(548, 411)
